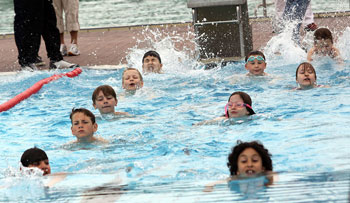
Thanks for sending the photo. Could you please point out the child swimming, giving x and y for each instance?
(35, 157)
(151, 62)
(305, 76)
(323, 45)
(105, 100)
(239, 105)
(132, 80)
(255, 63)
(247, 160)
(84, 126)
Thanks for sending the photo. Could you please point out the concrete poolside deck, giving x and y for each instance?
(110, 46)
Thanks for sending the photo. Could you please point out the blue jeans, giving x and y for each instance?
(294, 11)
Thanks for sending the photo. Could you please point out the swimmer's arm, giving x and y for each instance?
(210, 186)
(337, 57)
(310, 53)
(210, 122)
(55, 178)
(272, 177)
(123, 114)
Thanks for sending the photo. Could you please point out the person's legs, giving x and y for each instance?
(27, 28)
(294, 11)
(309, 23)
(72, 23)
(50, 33)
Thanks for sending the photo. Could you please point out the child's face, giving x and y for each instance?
(255, 65)
(43, 165)
(324, 46)
(306, 77)
(151, 64)
(132, 80)
(236, 108)
(82, 126)
(249, 163)
(105, 104)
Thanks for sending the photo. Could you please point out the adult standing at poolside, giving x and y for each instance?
(71, 11)
(294, 11)
(33, 19)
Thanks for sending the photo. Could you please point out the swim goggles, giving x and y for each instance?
(252, 58)
(236, 104)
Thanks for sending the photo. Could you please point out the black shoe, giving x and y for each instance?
(30, 67)
(39, 61)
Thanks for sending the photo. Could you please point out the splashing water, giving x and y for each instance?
(343, 44)
(175, 49)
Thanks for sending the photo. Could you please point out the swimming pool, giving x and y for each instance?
(171, 160)
(112, 13)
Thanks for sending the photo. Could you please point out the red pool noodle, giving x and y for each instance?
(35, 88)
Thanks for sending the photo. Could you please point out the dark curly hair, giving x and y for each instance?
(240, 147)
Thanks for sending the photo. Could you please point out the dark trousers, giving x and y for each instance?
(33, 19)
(294, 11)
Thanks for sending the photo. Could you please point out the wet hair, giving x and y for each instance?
(232, 163)
(85, 112)
(246, 99)
(141, 79)
(255, 52)
(106, 90)
(306, 65)
(151, 53)
(33, 156)
(323, 33)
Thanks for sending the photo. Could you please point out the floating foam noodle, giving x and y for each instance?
(35, 88)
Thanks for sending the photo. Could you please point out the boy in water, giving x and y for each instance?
(323, 45)
(151, 62)
(255, 63)
(132, 80)
(84, 126)
(35, 157)
(105, 100)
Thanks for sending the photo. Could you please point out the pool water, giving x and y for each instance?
(159, 155)
(112, 13)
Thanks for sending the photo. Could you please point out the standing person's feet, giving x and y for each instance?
(39, 61)
(63, 49)
(29, 67)
(310, 27)
(62, 64)
(73, 50)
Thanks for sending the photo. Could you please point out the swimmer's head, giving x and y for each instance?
(305, 75)
(35, 157)
(132, 79)
(322, 34)
(151, 62)
(243, 98)
(249, 158)
(104, 99)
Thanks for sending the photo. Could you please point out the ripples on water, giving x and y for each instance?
(160, 155)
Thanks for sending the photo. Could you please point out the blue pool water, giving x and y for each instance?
(160, 156)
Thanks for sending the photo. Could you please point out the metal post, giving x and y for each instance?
(264, 8)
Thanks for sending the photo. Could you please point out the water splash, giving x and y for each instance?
(343, 44)
(283, 46)
(175, 48)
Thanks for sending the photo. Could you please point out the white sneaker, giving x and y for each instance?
(63, 49)
(30, 67)
(73, 50)
(61, 64)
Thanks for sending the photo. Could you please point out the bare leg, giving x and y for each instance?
(62, 38)
(74, 37)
